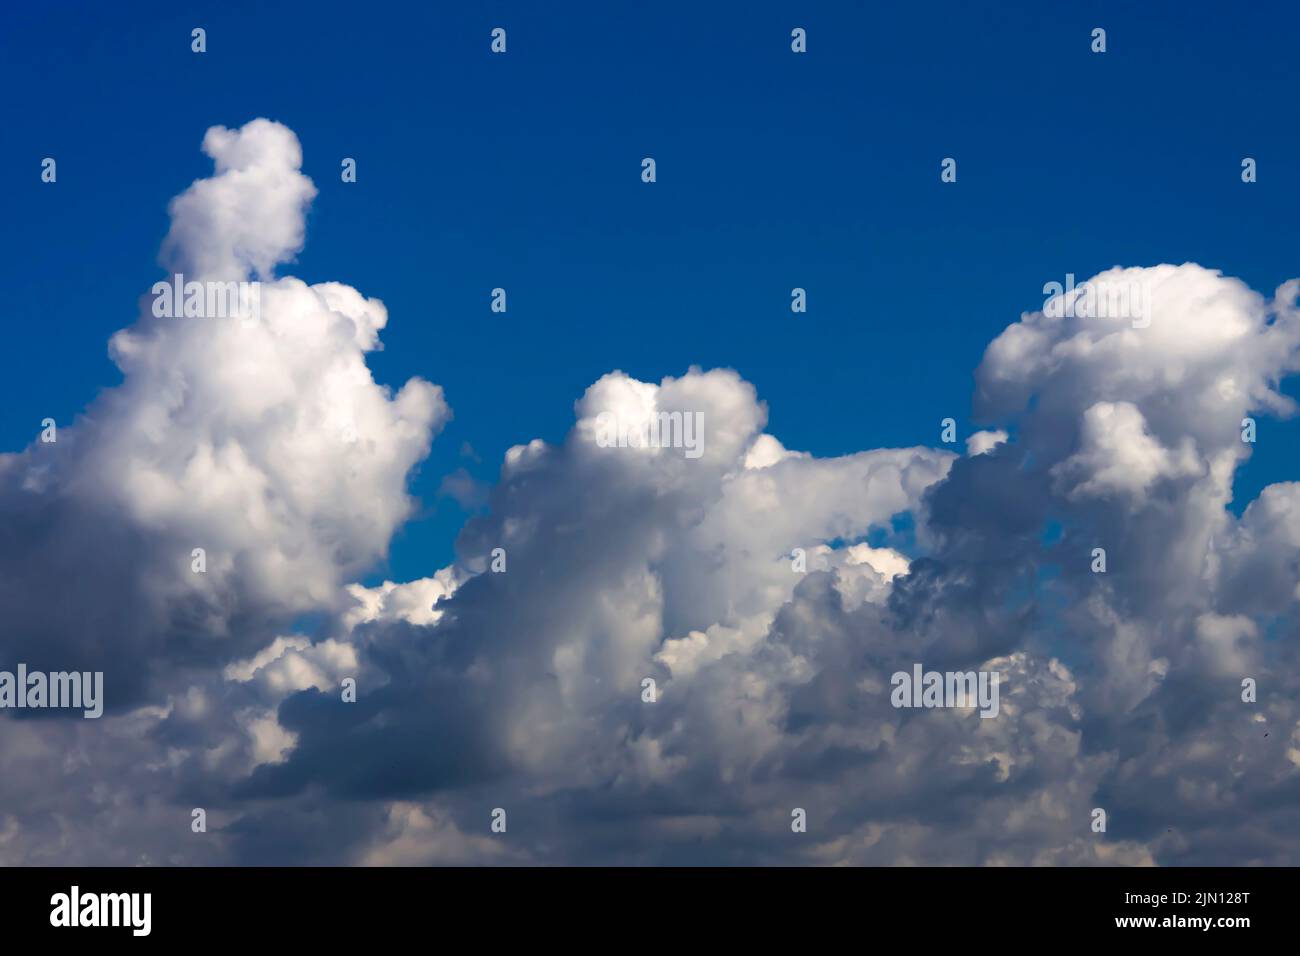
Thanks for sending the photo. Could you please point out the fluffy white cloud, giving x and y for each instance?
(984, 441)
(249, 216)
(1119, 690)
(269, 446)
(414, 601)
(1117, 456)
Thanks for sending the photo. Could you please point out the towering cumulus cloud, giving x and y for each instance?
(268, 445)
(667, 651)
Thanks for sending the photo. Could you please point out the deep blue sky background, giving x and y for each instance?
(775, 170)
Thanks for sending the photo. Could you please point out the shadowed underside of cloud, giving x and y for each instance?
(769, 594)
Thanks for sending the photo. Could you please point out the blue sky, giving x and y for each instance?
(774, 171)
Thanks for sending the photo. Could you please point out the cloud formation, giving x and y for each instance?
(767, 593)
(269, 446)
